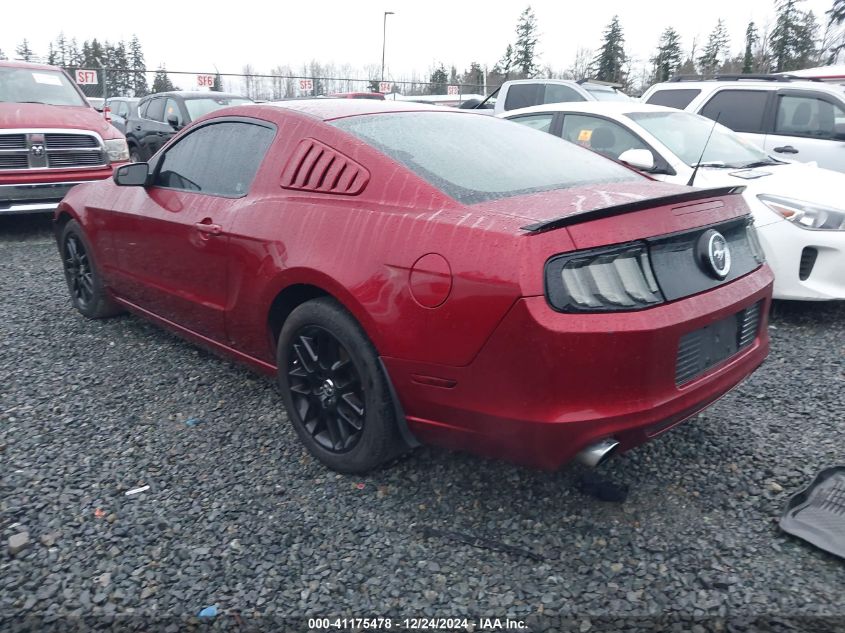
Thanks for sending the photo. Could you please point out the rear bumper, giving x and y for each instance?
(41, 193)
(546, 385)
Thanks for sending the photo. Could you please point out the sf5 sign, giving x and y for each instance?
(86, 77)
(205, 81)
(306, 86)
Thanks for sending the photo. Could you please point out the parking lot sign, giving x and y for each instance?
(205, 81)
(453, 90)
(384, 87)
(86, 77)
(306, 86)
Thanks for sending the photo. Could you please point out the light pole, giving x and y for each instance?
(384, 41)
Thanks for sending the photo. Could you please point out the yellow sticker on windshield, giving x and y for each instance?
(584, 136)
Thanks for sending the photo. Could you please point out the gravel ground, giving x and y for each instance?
(237, 515)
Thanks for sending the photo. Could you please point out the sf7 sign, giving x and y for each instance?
(86, 77)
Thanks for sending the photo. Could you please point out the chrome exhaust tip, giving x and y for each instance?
(597, 453)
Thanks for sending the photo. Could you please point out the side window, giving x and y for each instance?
(542, 122)
(171, 108)
(556, 93)
(523, 95)
(679, 99)
(605, 137)
(219, 159)
(143, 106)
(740, 110)
(122, 109)
(155, 110)
(807, 116)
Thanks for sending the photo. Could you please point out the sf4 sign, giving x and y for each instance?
(306, 85)
(205, 81)
(86, 77)
(384, 87)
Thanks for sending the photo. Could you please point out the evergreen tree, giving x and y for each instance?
(793, 40)
(715, 50)
(438, 81)
(609, 64)
(526, 43)
(474, 77)
(74, 57)
(218, 86)
(667, 60)
(139, 67)
(61, 50)
(751, 38)
(837, 12)
(161, 82)
(2, 55)
(24, 52)
(116, 64)
(52, 57)
(505, 65)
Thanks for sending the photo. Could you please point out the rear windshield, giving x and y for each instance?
(474, 158)
(603, 94)
(200, 107)
(25, 85)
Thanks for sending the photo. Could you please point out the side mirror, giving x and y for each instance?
(638, 158)
(132, 175)
(173, 121)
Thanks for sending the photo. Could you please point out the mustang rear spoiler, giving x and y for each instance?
(627, 207)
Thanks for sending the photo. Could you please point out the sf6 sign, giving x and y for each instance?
(86, 77)
(205, 81)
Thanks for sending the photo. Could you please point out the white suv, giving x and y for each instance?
(790, 117)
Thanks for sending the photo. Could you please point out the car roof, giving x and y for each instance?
(592, 107)
(740, 84)
(196, 94)
(327, 109)
(28, 65)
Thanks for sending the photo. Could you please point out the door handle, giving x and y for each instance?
(208, 228)
(137, 128)
(786, 149)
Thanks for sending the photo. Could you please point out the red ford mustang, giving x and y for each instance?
(413, 274)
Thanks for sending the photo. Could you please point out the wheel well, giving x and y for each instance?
(61, 220)
(286, 302)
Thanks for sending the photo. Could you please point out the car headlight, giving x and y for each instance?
(117, 149)
(807, 215)
(601, 280)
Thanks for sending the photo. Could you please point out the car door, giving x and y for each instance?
(170, 238)
(151, 128)
(745, 111)
(808, 127)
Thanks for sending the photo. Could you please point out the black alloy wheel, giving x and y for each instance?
(336, 392)
(326, 389)
(78, 271)
(87, 292)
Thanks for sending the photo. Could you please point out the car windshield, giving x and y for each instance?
(27, 85)
(204, 105)
(685, 135)
(603, 94)
(475, 158)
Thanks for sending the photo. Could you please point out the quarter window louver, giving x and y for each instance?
(317, 167)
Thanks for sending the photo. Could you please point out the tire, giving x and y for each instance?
(84, 282)
(332, 384)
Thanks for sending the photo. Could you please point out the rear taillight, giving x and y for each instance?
(107, 113)
(601, 280)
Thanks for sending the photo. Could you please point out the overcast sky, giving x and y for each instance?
(197, 35)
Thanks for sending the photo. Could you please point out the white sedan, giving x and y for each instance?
(799, 209)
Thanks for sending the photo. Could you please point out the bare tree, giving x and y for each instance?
(580, 68)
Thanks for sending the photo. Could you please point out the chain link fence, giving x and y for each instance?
(103, 83)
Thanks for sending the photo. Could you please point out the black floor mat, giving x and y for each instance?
(817, 513)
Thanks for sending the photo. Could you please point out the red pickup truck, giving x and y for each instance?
(50, 138)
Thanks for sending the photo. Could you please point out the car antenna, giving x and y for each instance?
(703, 149)
(487, 98)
